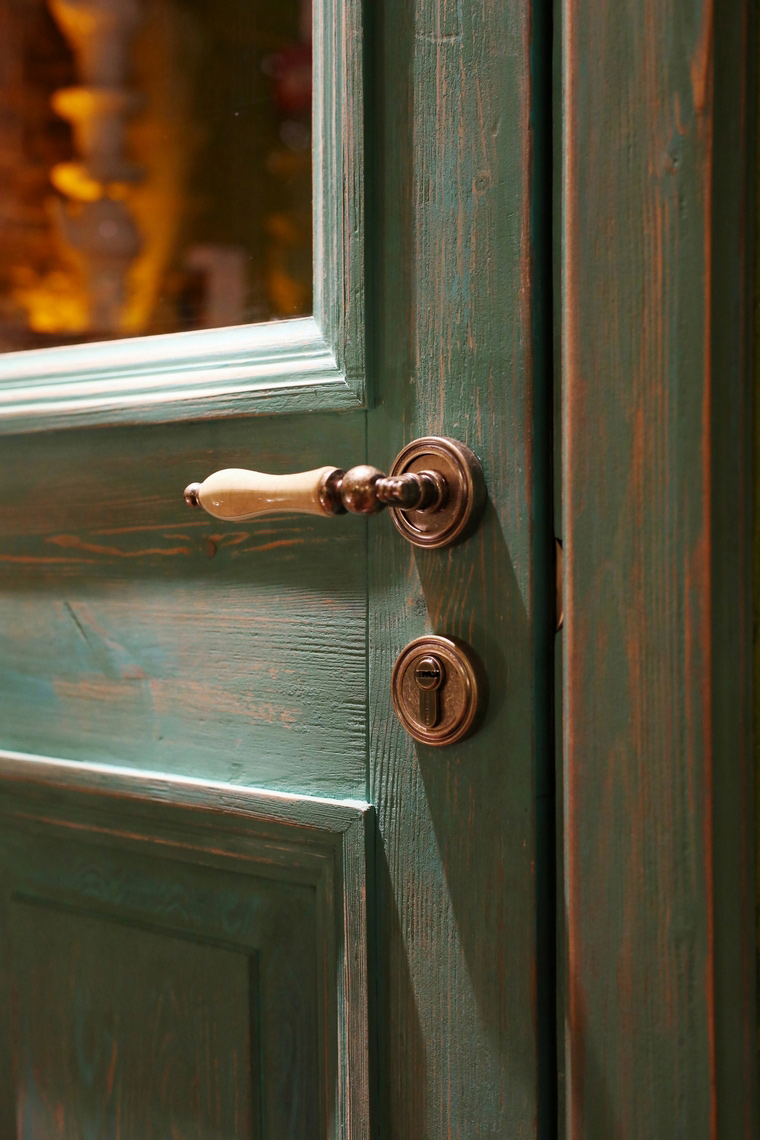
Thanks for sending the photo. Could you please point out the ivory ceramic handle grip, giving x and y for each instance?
(236, 494)
(435, 492)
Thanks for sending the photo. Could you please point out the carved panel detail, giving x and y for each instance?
(179, 958)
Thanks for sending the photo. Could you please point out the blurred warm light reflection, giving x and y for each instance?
(158, 167)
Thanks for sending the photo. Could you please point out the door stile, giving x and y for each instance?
(463, 856)
(658, 827)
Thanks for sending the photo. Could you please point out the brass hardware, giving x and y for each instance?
(463, 492)
(439, 690)
(192, 496)
(435, 492)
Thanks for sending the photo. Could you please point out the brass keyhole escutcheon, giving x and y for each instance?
(439, 690)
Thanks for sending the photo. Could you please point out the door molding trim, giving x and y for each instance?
(317, 842)
(313, 363)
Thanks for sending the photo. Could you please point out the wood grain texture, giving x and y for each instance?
(315, 363)
(86, 992)
(199, 954)
(203, 657)
(136, 631)
(658, 834)
(460, 899)
(339, 175)
(266, 369)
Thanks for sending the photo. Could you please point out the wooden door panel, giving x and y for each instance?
(135, 631)
(176, 966)
(124, 1032)
(126, 646)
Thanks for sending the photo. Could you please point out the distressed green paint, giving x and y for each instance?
(136, 631)
(460, 345)
(179, 957)
(658, 828)
(142, 638)
(280, 367)
(87, 987)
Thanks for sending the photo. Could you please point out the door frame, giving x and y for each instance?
(656, 294)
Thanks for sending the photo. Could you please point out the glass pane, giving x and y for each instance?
(155, 166)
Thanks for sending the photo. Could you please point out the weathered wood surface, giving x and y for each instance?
(179, 957)
(86, 991)
(127, 645)
(136, 631)
(282, 367)
(465, 1045)
(660, 1010)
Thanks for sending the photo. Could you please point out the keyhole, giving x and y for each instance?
(429, 676)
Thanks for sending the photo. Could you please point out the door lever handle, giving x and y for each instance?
(435, 492)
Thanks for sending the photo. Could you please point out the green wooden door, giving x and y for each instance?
(237, 899)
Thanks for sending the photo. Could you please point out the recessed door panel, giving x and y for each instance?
(130, 1033)
(178, 969)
